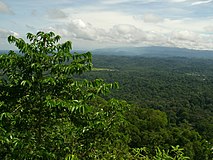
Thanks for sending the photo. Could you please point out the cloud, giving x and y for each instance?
(178, 1)
(5, 8)
(201, 2)
(193, 2)
(126, 33)
(56, 14)
(121, 33)
(5, 33)
(209, 28)
(192, 40)
(185, 35)
(130, 35)
(78, 29)
(114, 1)
(151, 18)
(82, 30)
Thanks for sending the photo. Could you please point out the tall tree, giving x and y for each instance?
(45, 112)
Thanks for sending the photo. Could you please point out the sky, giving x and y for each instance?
(92, 24)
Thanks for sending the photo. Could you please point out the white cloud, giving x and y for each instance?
(100, 18)
(185, 35)
(151, 18)
(114, 1)
(121, 33)
(178, 0)
(78, 29)
(4, 35)
(131, 35)
(81, 30)
(126, 33)
(192, 40)
(201, 2)
(209, 28)
(193, 2)
(5, 8)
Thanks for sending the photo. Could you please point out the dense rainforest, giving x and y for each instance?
(55, 104)
(172, 99)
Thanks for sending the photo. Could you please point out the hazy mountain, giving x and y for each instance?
(155, 52)
(4, 51)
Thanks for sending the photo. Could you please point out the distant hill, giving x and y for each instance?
(155, 52)
(4, 51)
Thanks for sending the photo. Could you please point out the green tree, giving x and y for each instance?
(46, 113)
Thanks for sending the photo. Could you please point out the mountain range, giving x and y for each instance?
(155, 51)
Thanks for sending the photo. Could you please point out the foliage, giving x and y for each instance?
(171, 100)
(175, 153)
(46, 113)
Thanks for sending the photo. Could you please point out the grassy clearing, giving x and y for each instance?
(104, 69)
